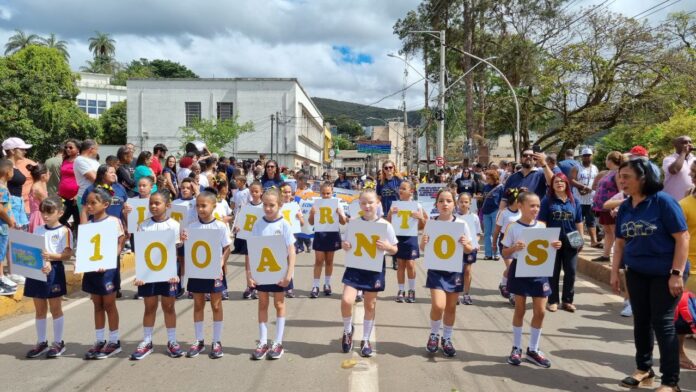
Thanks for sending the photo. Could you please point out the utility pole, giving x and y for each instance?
(277, 148)
(441, 103)
(272, 119)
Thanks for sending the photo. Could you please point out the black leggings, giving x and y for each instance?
(70, 209)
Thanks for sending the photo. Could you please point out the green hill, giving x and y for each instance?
(361, 113)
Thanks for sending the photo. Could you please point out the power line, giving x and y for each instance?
(651, 8)
(660, 9)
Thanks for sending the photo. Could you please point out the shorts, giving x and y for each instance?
(100, 283)
(470, 258)
(206, 286)
(54, 286)
(527, 287)
(605, 218)
(588, 216)
(364, 280)
(18, 212)
(407, 248)
(451, 282)
(164, 289)
(327, 241)
(269, 288)
(240, 246)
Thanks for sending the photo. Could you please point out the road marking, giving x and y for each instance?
(364, 376)
(30, 323)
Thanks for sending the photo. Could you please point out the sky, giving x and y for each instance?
(337, 49)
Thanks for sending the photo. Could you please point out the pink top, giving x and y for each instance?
(67, 187)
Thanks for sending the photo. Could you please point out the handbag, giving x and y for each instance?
(575, 239)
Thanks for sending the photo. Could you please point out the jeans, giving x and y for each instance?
(488, 227)
(653, 310)
(566, 259)
(70, 210)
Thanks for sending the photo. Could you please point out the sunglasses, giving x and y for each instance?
(527, 155)
(388, 167)
(270, 166)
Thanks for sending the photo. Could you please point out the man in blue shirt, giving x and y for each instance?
(534, 179)
(342, 181)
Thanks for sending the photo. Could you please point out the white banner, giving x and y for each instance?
(443, 252)
(404, 224)
(179, 212)
(268, 258)
(325, 215)
(97, 246)
(305, 207)
(363, 253)
(140, 211)
(25, 254)
(538, 257)
(203, 259)
(245, 220)
(289, 213)
(155, 255)
(428, 192)
(430, 209)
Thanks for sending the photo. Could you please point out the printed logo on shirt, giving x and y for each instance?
(639, 228)
(278, 232)
(562, 216)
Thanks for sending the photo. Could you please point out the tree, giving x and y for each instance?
(53, 42)
(215, 134)
(347, 126)
(144, 68)
(171, 69)
(19, 41)
(114, 124)
(102, 45)
(342, 142)
(100, 65)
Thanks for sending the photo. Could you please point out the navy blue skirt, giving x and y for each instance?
(527, 287)
(101, 283)
(270, 288)
(470, 258)
(364, 280)
(240, 246)
(451, 282)
(407, 248)
(164, 289)
(327, 241)
(54, 286)
(195, 285)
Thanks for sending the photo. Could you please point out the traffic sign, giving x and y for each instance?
(440, 161)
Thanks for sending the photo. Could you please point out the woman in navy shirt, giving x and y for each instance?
(388, 185)
(271, 175)
(492, 193)
(560, 209)
(653, 242)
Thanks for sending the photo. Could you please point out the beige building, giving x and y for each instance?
(394, 132)
(352, 161)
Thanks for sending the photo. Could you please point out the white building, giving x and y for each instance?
(97, 94)
(159, 108)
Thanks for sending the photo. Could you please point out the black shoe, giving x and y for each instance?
(646, 381)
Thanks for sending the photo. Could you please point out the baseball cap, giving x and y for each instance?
(639, 151)
(15, 142)
(586, 151)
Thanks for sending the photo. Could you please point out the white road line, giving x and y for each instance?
(30, 323)
(364, 376)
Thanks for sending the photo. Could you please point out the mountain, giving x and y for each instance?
(362, 113)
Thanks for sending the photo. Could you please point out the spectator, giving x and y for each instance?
(606, 188)
(271, 175)
(653, 242)
(53, 165)
(467, 183)
(125, 170)
(160, 151)
(184, 167)
(169, 173)
(67, 187)
(492, 193)
(529, 177)
(552, 163)
(107, 179)
(342, 181)
(585, 194)
(142, 169)
(688, 205)
(676, 167)
(15, 149)
(569, 166)
(388, 185)
(86, 167)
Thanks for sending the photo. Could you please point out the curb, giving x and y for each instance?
(17, 304)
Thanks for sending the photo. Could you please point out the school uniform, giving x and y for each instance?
(526, 287)
(240, 245)
(107, 282)
(164, 289)
(327, 241)
(370, 281)
(474, 223)
(222, 209)
(221, 239)
(279, 226)
(408, 247)
(191, 216)
(504, 218)
(451, 282)
(56, 239)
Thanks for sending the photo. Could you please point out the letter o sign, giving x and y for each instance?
(449, 247)
(148, 256)
(194, 254)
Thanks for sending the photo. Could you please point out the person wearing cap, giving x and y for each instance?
(676, 167)
(640, 152)
(586, 177)
(342, 181)
(159, 153)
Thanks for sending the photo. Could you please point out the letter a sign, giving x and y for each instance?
(363, 253)
(539, 257)
(268, 258)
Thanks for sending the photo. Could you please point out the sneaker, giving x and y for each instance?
(433, 342)
(247, 293)
(260, 351)
(136, 296)
(627, 311)
(359, 296)
(411, 297)
(504, 291)
(394, 267)
(327, 290)
(39, 349)
(537, 358)
(400, 296)
(180, 293)
(448, 347)
(143, 350)
(511, 299)
(119, 294)
(254, 294)
(111, 349)
(57, 349)
(196, 348)
(366, 349)
(466, 299)
(290, 293)
(216, 351)
(460, 300)
(7, 281)
(515, 358)
(7, 290)
(347, 340)
(602, 259)
(174, 350)
(95, 349)
(314, 293)
(19, 279)
(276, 351)
(225, 295)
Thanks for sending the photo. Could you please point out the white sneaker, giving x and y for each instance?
(19, 279)
(627, 310)
(7, 281)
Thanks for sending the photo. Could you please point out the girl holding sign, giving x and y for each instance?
(464, 213)
(288, 197)
(444, 286)
(205, 205)
(408, 250)
(369, 282)
(160, 201)
(325, 244)
(145, 189)
(48, 294)
(102, 284)
(510, 214)
(240, 244)
(272, 224)
(536, 287)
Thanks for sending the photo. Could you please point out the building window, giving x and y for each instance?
(224, 110)
(193, 112)
(82, 104)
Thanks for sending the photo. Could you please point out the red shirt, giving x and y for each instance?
(156, 166)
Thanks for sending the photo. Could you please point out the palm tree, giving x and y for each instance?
(20, 41)
(100, 65)
(102, 45)
(53, 42)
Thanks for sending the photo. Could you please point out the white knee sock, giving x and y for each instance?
(315, 283)
(280, 329)
(534, 339)
(327, 280)
(198, 327)
(217, 330)
(435, 326)
(401, 287)
(411, 284)
(40, 330)
(58, 329)
(517, 336)
(347, 324)
(100, 334)
(147, 334)
(263, 333)
(113, 336)
(367, 329)
(171, 334)
(447, 331)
